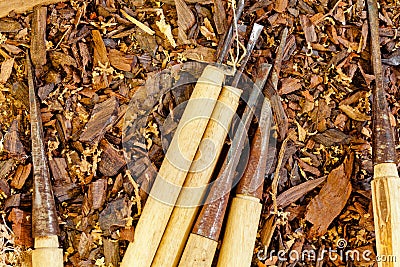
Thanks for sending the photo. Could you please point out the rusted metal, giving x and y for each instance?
(226, 45)
(251, 183)
(209, 222)
(383, 135)
(44, 214)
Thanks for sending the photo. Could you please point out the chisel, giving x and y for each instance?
(182, 218)
(45, 228)
(245, 210)
(386, 182)
(203, 240)
(174, 169)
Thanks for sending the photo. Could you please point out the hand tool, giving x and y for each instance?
(45, 227)
(191, 196)
(181, 221)
(245, 210)
(386, 182)
(166, 187)
(203, 240)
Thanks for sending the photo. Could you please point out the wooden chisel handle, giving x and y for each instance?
(197, 252)
(241, 227)
(47, 252)
(386, 205)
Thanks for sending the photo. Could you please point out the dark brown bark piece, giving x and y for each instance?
(5, 190)
(116, 213)
(6, 167)
(186, 19)
(12, 143)
(127, 233)
(58, 167)
(146, 41)
(13, 201)
(331, 199)
(293, 194)
(221, 23)
(20, 92)
(97, 193)
(6, 69)
(20, 176)
(112, 160)
(308, 28)
(100, 51)
(111, 252)
(102, 117)
(44, 91)
(9, 25)
(331, 137)
(120, 60)
(21, 226)
(66, 192)
(281, 5)
(308, 168)
(38, 39)
(61, 59)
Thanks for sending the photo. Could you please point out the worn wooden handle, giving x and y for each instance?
(182, 218)
(241, 232)
(386, 205)
(199, 252)
(173, 171)
(47, 253)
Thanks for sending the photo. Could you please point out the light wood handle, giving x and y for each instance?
(386, 205)
(47, 253)
(183, 216)
(240, 232)
(199, 252)
(170, 178)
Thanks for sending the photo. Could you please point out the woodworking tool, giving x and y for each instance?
(386, 182)
(203, 240)
(45, 228)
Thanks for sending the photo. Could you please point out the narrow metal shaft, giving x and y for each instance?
(383, 136)
(44, 215)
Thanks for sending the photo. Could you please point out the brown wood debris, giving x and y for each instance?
(97, 70)
(331, 199)
(101, 119)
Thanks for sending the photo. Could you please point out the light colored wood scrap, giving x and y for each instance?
(137, 23)
(20, 6)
